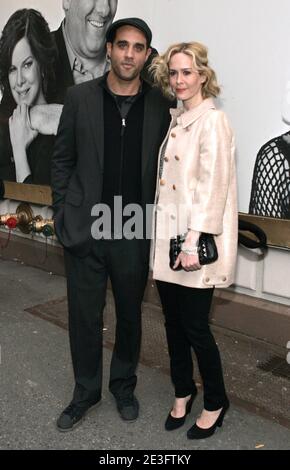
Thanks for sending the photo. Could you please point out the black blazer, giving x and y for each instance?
(78, 160)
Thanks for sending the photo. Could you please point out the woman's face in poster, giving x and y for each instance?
(25, 76)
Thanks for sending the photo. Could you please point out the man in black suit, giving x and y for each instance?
(107, 145)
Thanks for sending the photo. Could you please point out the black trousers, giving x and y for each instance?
(186, 313)
(126, 263)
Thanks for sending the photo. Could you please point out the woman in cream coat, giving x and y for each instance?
(196, 192)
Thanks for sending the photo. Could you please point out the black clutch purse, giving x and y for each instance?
(207, 250)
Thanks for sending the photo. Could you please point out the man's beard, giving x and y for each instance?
(134, 73)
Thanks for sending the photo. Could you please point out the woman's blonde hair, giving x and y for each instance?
(160, 68)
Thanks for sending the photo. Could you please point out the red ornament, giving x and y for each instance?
(11, 223)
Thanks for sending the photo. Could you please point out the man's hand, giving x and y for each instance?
(44, 118)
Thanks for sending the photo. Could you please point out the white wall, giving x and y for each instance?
(249, 46)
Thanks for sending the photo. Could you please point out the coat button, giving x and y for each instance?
(166, 159)
(177, 157)
(174, 187)
(173, 217)
(162, 182)
(207, 279)
(173, 135)
(224, 278)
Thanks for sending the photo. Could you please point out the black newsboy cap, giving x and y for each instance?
(136, 22)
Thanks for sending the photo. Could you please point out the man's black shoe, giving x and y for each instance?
(128, 408)
(73, 415)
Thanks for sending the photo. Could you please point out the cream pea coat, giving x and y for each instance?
(196, 189)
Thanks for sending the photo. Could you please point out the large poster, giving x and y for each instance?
(249, 47)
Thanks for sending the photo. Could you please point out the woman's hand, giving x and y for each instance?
(21, 134)
(189, 261)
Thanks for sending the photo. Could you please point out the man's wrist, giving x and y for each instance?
(28, 116)
(31, 118)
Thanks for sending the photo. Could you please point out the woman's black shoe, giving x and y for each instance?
(198, 433)
(172, 423)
